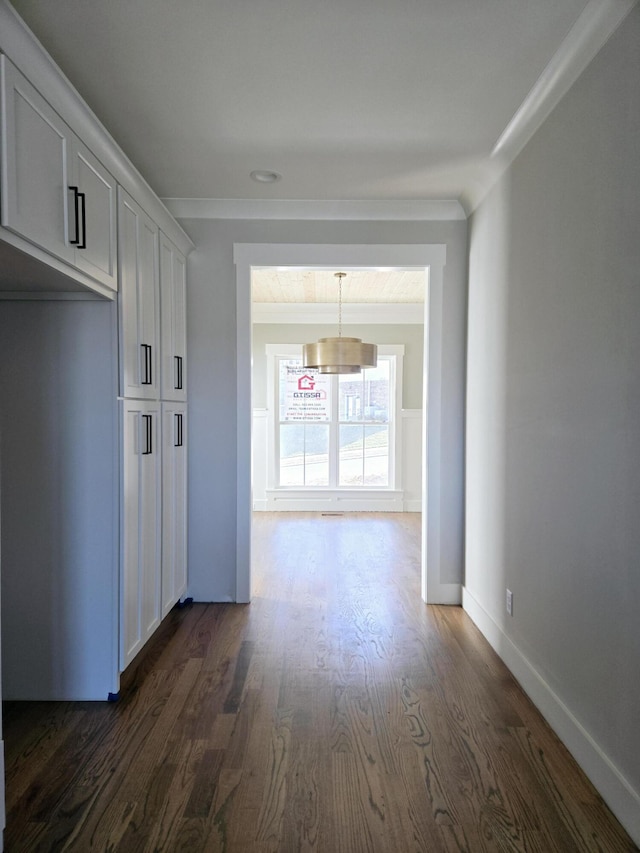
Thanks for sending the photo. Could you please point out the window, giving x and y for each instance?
(364, 403)
(335, 432)
(305, 398)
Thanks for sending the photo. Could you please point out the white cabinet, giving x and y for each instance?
(138, 262)
(174, 504)
(152, 368)
(80, 467)
(55, 193)
(173, 321)
(141, 526)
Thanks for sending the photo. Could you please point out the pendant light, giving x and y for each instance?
(339, 355)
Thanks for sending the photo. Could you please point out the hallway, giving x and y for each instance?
(336, 713)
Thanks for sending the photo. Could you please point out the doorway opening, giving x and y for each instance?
(349, 442)
(429, 258)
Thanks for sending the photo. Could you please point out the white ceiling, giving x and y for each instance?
(347, 99)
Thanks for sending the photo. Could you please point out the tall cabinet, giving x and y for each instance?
(93, 419)
(173, 333)
(152, 370)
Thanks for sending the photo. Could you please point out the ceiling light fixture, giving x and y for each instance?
(262, 176)
(339, 355)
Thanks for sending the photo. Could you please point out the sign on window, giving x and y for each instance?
(307, 394)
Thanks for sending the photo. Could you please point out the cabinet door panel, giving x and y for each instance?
(174, 504)
(141, 544)
(150, 544)
(139, 300)
(131, 633)
(98, 256)
(34, 166)
(173, 321)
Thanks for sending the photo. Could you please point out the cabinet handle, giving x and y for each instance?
(76, 211)
(178, 384)
(148, 435)
(178, 430)
(148, 365)
(80, 214)
(83, 206)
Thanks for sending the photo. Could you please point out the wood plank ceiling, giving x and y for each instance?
(359, 286)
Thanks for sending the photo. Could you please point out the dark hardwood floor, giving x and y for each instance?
(335, 713)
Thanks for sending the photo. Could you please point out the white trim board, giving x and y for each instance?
(432, 258)
(619, 795)
(334, 500)
(390, 210)
(597, 22)
(369, 313)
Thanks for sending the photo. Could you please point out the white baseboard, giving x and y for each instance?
(616, 791)
(325, 500)
(264, 505)
(285, 505)
(413, 505)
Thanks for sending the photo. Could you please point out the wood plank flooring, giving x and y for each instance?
(336, 713)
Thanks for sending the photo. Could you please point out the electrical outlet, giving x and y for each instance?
(509, 602)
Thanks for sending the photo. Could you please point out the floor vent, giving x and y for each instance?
(332, 513)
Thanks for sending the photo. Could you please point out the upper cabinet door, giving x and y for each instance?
(139, 301)
(93, 216)
(35, 183)
(173, 321)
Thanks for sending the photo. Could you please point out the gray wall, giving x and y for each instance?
(411, 336)
(59, 427)
(553, 409)
(212, 377)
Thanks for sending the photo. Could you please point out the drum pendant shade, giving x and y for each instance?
(339, 355)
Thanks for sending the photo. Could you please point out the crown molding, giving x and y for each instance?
(597, 22)
(595, 25)
(317, 209)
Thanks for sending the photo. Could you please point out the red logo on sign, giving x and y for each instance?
(306, 383)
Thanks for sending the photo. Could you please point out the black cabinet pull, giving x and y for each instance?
(148, 365)
(148, 435)
(83, 206)
(80, 214)
(178, 430)
(178, 385)
(76, 212)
